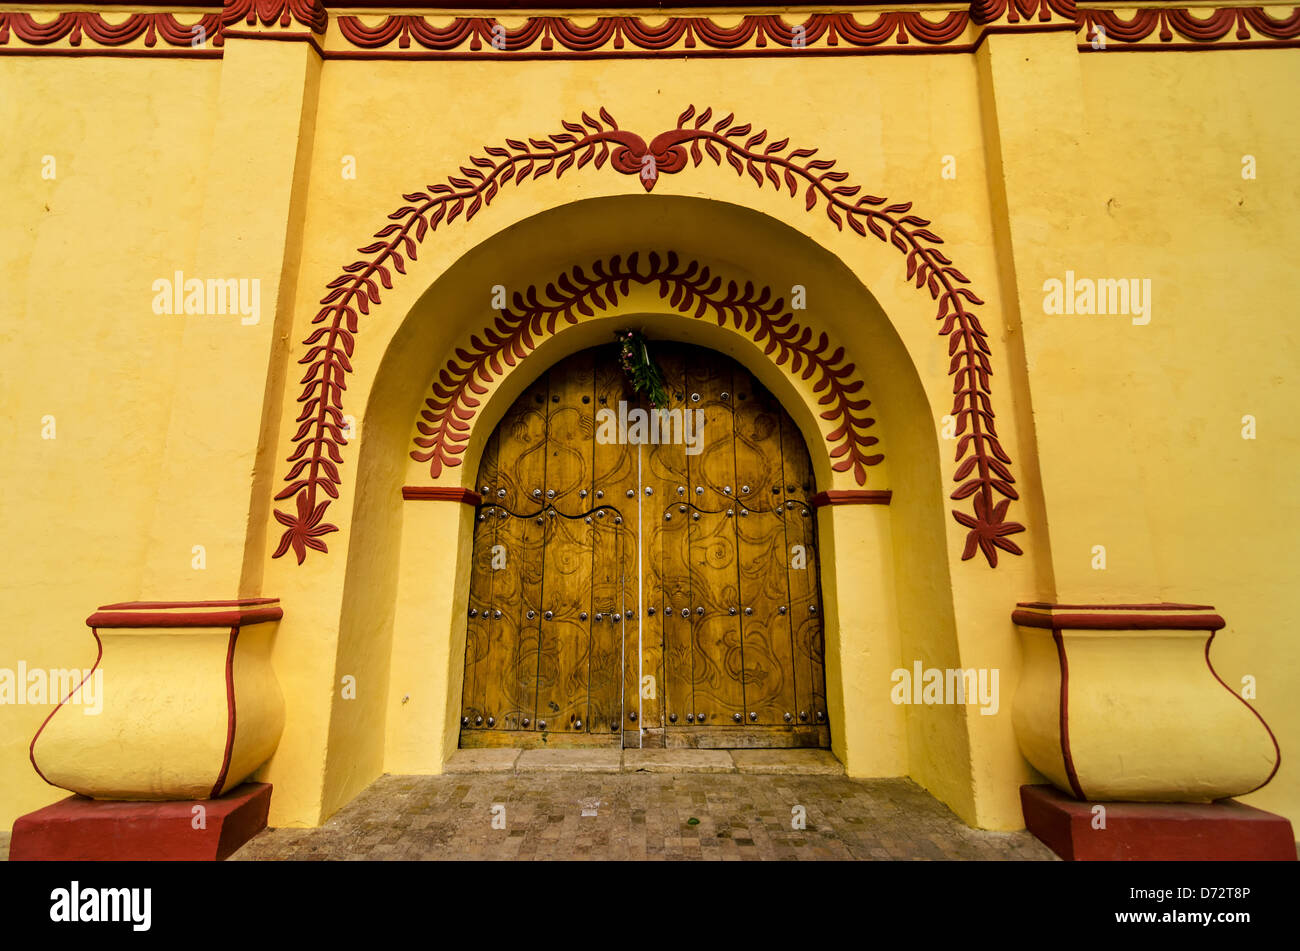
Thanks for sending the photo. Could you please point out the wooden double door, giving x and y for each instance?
(656, 588)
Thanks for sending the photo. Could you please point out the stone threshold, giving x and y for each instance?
(793, 762)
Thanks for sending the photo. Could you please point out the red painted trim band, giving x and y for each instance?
(1020, 29)
(615, 53)
(1064, 722)
(1119, 622)
(282, 35)
(1050, 606)
(1195, 47)
(209, 7)
(145, 605)
(133, 53)
(230, 714)
(852, 497)
(31, 747)
(441, 493)
(374, 7)
(144, 619)
(1277, 764)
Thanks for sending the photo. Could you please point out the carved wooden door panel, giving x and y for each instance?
(654, 594)
(544, 644)
(731, 566)
(614, 590)
(665, 580)
(763, 556)
(805, 589)
(505, 582)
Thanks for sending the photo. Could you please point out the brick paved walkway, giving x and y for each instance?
(641, 815)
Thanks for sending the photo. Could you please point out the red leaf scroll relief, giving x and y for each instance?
(983, 465)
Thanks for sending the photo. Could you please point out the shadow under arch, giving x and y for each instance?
(885, 577)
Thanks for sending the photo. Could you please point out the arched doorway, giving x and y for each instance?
(645, 578)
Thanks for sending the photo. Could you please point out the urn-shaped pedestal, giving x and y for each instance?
(1120, 702)
(187, 704)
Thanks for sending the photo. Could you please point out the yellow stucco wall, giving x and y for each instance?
(172, 431)
(80, 342)
(1188, 510)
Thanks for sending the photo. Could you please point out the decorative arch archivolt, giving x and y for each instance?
(983, 466)
(688, 288)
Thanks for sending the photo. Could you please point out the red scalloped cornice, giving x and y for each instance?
(1188, 29)
(26, 32)
(308, 13)
(873, 29)
(631, 35)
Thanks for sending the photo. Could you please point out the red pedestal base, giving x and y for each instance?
(81, 829)
(1155, 831)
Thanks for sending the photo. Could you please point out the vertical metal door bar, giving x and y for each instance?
(640, 607)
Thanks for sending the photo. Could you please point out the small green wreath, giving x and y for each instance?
(640, 368)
